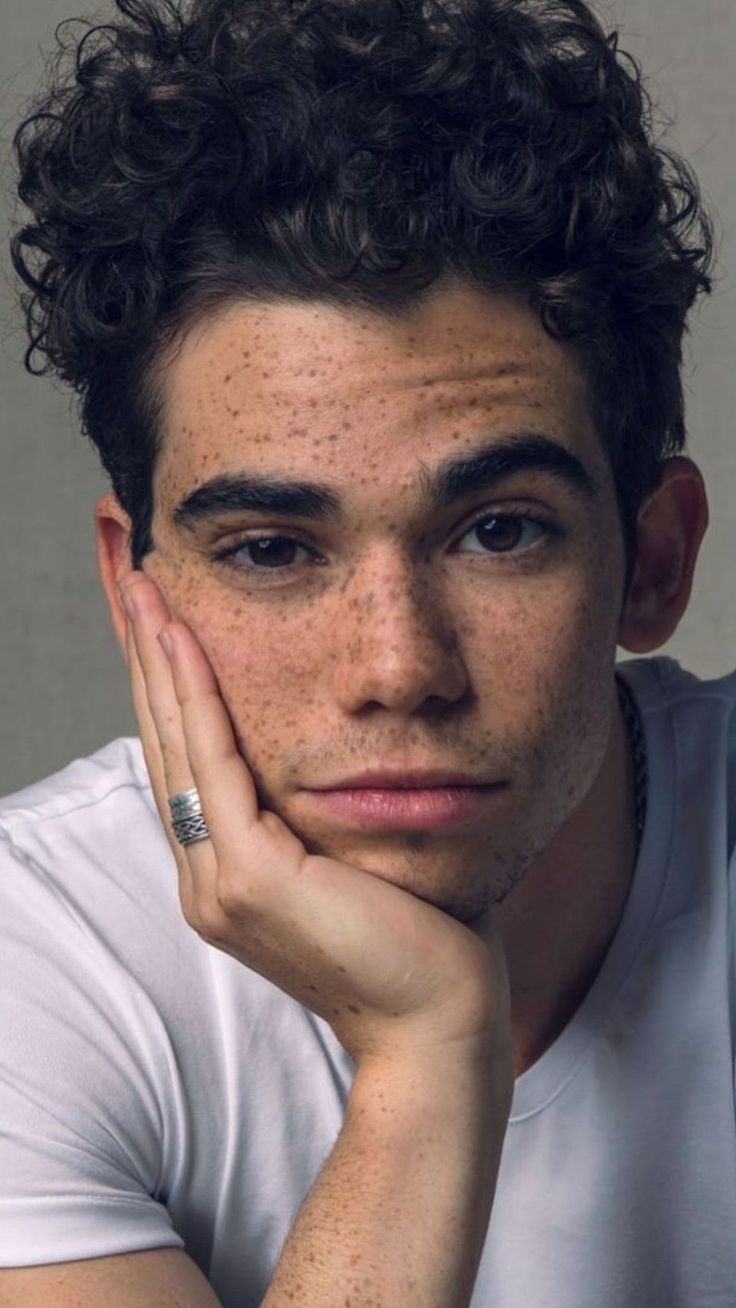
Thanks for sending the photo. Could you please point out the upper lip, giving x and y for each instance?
(392, 779)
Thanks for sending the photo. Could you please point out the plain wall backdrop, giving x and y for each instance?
(63, 683)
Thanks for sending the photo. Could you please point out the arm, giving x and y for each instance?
(156, 1278)
(396, 1217)
(399, 1212)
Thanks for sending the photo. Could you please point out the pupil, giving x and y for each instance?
(271, 551)
(501, 533)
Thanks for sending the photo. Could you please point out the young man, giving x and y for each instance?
(394, 963)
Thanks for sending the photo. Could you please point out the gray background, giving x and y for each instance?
(63, 684)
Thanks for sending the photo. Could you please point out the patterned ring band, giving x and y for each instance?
(187, 818)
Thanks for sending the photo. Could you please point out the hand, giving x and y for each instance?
(386, 970)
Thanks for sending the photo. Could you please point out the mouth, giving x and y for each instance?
(393, 808)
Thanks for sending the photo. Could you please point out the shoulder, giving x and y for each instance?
(660, 680)
(79, 787)
(86, 872)
(84, 818)
(693, 704)
(690, 727)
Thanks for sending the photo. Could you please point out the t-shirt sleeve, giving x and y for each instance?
(82, 1079)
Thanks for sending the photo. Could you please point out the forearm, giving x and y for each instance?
(398, 1214)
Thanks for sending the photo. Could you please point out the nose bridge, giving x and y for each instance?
(387, 588)
(398, 643)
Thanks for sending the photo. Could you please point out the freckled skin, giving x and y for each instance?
(403, 648)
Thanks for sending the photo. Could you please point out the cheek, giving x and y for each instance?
(522, 637)
(265, 661)
(267, 676)
(544, 667)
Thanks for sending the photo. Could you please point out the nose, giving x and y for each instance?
(395, 642)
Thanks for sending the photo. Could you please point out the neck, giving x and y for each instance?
(558, 923)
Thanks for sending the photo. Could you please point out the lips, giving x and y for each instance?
(393, 808)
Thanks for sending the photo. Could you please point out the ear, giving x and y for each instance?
(670, 528)
(113, 530)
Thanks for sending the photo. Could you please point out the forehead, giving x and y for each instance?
(299, 387)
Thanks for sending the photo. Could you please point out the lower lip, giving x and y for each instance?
(439, 806)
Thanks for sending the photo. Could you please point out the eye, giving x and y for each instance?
(502, 533)
(262, 554)
(498, 533)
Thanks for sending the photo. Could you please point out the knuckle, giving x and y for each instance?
(188, 909)
(214, 916)
(194, 700)
(233, 897)
(191, 914)
(182, 865)
(212, 930)
(271, 823)
(169, 754)
(204, 918)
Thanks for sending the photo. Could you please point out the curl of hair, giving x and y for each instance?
(356, 152)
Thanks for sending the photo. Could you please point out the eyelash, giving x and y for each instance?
(226, 557)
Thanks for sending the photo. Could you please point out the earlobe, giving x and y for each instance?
(670, 530)
(112, 534)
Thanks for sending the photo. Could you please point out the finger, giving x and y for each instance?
(148, 614)
(156, 770)
(221, 775)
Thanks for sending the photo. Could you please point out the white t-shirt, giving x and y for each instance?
(153, 1091)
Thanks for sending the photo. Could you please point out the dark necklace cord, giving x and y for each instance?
(639, 750)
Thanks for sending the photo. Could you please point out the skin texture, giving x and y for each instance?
(413, 644)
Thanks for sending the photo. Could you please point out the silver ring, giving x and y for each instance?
(187, 818)
(186, 803)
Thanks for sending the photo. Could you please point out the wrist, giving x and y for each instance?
(436, 1081)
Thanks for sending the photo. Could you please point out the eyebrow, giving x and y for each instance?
(453, 479)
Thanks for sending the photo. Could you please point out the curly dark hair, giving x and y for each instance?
(354, 152)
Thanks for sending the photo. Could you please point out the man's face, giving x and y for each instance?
(399, 631)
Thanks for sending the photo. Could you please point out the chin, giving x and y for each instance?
(462, 884)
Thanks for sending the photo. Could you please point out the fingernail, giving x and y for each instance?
(165, 640)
